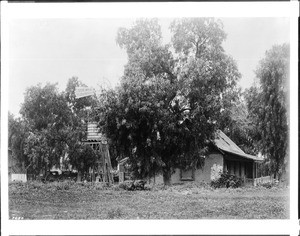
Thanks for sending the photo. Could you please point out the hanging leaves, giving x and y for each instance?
(268, 106)
(170, 101)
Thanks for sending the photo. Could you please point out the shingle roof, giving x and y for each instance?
(223, 142)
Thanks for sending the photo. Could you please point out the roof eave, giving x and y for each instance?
(244, 156)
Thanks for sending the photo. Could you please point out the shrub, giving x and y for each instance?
(127, 185)
(228, 181)
(133, 185)
(216, 172)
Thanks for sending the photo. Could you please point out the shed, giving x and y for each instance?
(16, 171)
(122, 168)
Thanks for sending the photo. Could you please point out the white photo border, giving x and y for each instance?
(11, 11)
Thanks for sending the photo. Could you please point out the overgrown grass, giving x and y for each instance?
(71, 200)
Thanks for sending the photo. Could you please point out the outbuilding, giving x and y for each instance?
(16, 171)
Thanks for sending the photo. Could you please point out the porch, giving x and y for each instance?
(248, 170)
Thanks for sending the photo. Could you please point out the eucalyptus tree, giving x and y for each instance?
(48, 117)
(171, 96)
(268, 106)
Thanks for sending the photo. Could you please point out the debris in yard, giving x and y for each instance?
(133, 185)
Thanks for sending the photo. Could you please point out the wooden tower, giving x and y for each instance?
(97, 141)
(100, 146)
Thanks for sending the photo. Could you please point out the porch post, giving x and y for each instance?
(256, 170)
(253, 173)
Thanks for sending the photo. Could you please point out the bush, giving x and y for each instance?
(133, 185)
(126, 185)
(228, 181)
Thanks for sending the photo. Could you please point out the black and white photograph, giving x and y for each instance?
(148, 118)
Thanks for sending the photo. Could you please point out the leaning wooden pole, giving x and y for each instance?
(106, 164)
(109, 167)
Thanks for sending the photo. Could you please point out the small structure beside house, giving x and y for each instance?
(16, 171)
(122, 169)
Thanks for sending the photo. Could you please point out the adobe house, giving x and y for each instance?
(224, 156)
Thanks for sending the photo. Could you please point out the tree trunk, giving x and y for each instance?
(275, 175)
(167, 176)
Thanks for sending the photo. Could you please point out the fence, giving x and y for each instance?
(263, 180)
(258, 181)
(19, 177)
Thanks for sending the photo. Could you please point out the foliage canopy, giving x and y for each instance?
(166, 109)
(268, 106)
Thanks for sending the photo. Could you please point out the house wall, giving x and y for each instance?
(212, 162)
(187, 174)
(175, 178)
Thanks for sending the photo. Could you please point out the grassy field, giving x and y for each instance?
(68, 200)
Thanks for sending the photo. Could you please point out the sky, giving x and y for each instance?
(54, 50)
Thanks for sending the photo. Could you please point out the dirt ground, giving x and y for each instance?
(67, 200)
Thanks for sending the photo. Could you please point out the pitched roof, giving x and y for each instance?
(223, 142)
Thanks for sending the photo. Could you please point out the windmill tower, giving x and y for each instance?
(98, 143)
